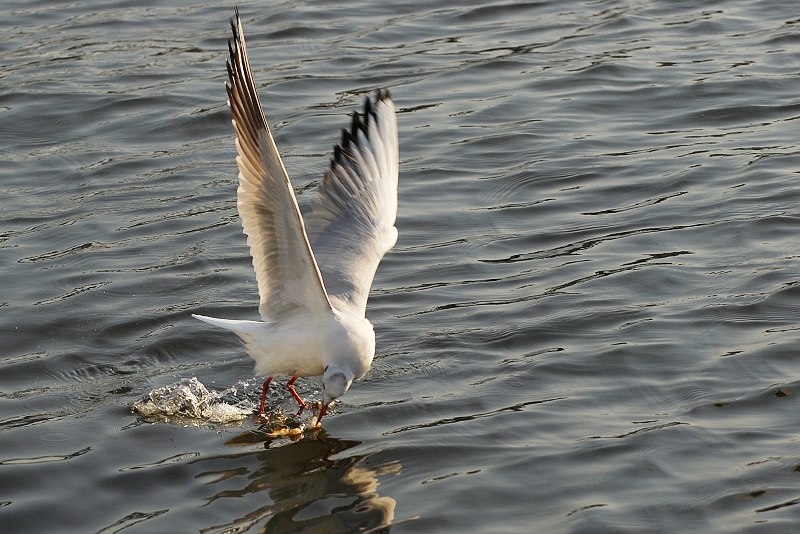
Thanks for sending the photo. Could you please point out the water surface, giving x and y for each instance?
(589, 322)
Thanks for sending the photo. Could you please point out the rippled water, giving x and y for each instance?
(590, 322)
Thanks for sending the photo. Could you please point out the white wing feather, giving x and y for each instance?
(289, 281)
(356, 209)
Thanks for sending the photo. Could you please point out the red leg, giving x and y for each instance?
(301, 402)
(264, 389)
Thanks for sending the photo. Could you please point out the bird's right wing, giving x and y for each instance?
(289, 281)
(356, 208)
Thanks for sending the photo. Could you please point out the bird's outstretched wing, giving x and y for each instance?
(289, 281)
(354, 214)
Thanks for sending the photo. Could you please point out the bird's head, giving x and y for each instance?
(335, 381)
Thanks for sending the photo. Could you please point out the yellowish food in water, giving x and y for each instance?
(286, 432)
(282, 426)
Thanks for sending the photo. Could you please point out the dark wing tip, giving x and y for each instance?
(368, 113)
(355, 124)
(348, 137)
(345, 135)
(384, 94)
(233, 27)
(358, 121)
(236, 23)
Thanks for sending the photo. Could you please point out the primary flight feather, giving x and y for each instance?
(313, 292)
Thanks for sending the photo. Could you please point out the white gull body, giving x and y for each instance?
(313, 286)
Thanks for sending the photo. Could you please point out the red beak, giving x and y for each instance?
(322, 411)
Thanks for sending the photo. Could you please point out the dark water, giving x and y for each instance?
(590, 322)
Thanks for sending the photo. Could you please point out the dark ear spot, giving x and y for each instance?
(325, 370)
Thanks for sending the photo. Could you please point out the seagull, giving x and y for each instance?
(313, 281)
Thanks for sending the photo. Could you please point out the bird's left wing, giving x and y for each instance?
(356, 208)
(289, 281)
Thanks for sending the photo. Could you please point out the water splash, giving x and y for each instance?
(189, 398)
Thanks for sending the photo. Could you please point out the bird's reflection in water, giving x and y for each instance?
(305, 490)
